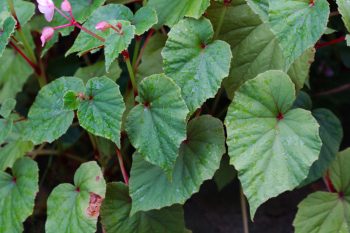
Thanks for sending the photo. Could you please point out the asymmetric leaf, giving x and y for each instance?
(75, 208)
(199, 158)
(298, 24)
(171, 11)
(109, 13)
(48, 119)
(268, 143)
(101, 111)
(12, 151)
(144, 19)
(17, 194)
(324, 212)
(157, 125)
(194, 62)
(115, 214)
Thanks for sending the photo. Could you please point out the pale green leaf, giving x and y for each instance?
(75, 208)
(157, 125)
(171, 11)
(297, 24)
(268, 142)
(97, 70)
(102, 110)
(48, 119)
(144, 19)
(115, 214)
(12, 151)
(199, 158)
(344, 10)
(117, 42)
(18, 193)
(324, 212)
(195, 62)
(109, 13)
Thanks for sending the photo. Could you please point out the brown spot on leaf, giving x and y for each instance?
(94, 205)
(98, 178)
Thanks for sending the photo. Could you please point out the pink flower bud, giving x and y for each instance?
(102, 26)
(46, 35)
(119, 25)
(66, 6)
(47, 7)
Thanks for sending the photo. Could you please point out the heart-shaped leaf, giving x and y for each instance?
(323, 212)
(18, 193)
(75, 208)
(307, 20)
(199, 158)
(115, 214)
(157, 125)
(48, 119)
(194, 62)
(268, 143)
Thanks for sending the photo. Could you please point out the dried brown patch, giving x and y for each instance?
(94, 205)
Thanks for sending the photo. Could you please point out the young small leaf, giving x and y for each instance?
(144, 19)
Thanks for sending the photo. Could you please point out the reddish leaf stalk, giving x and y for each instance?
(150, 33)
(34, 66)
(122, 167)
(335, 41)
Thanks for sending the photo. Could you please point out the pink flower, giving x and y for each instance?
(66, 6)
(47, 7)
(46, 35)
(102, 26)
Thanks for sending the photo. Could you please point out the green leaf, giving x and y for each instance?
(152, 61)
(306, 21)
(157, 125)
(117, 42)
(7, 107)
(323, 212)
(261, 7)
(199, 158)
(101, 111)
(303, 100)
(6, 30)
(48, 119)
(75, 208)
(12, 151)
(194, 62)
(18, 194)
(97, 70)
(144, 19)
(254, 47)
(265, 138)
(344, 10)
(71, 100)
(109, 13)
(171, 11)
(115, 214)
(331, 133)
(5, 129)
(14, 72)
(225, 174)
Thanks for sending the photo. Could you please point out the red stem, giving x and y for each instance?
(122, 168)
(328, 183)
(150, 33)
(89, 32)
(34, 66)
(335, 41)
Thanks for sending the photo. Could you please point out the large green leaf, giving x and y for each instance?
(199, 158)
(261, 7)
(6, 30)
(144, 19)
(110, 13)
(171, 11)
(101, 111)
(194, 62)
(10, 152)
(17, 193)
(75, 208)
(157, 125)
(14, 72)
(297, 24)
(115, 214)
(344, 9)
(47, 118)
(324, 212)
(117, 42)
(268, 143)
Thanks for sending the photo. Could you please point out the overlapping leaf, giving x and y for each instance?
(344, 9)
(266, 139)
(97, 70)
(157, 125)
(194, 62)
(116, 218)
(17, 193)
(75, 208)
(199, 158)
(12, 151)
(144, 19)
(6, 30)
(324, 212)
